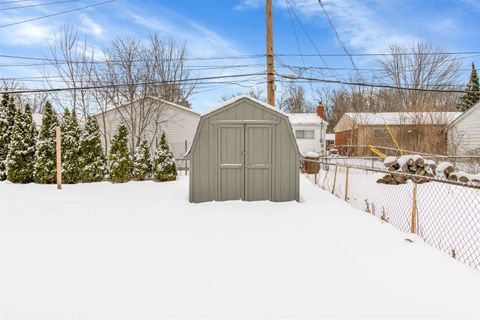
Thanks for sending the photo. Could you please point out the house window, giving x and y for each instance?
(304, 134)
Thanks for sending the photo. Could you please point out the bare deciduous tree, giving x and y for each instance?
(421, 66)
(294, 100)
(73, 65)
(127, 71)
(156, 69)
(35, 100)
(254, 92)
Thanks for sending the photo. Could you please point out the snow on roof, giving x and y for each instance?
(330, 136)
(305, 118)
(311, 154)
(403, 118)
(153, 98)
(235, 99)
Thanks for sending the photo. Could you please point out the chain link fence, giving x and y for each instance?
(445, 214)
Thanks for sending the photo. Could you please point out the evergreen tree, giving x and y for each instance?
(164, 168)
(7, 121)
(468, 99)
(45, 157)
(142, 165)
(92, 159)
(119, 162)
(21, 156)
(70, 147)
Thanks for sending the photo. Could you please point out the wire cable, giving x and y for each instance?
(295, 31)
(372, 85)
(115, 85)
(13, 1)
(55, 14)
(37, 5)
(339, 39)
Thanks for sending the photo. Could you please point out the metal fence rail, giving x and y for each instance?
(445, 214)
(470, 164)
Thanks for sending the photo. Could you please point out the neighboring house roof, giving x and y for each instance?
(330, 136)
(305, 118)
(153, 98)
(403, 118)
(464, 115)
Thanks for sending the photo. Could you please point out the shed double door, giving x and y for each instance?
(244, 162)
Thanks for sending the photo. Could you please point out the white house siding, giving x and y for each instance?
(309, 121)
(178, 124)
(317, 144)
(464, 133)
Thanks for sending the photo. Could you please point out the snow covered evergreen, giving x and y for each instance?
(119, 162)
(21, 156)
(92, 159)
(468, 99)
(164, 168)
(45, 157)
(7, 121)
(142, 164)
(70, 147)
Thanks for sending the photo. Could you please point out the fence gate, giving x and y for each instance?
(244, 162)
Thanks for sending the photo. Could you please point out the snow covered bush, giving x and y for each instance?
(21, 156)
(45, 157)
(7, 121)
(92, 158)
(142, 165)
(164, 168)
(119, 162)
(70, 147)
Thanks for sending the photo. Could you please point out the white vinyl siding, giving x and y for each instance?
(178, 124)
(464, 136)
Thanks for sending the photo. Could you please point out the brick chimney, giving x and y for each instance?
(321, 111)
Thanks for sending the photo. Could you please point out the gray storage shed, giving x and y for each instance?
(244, 149)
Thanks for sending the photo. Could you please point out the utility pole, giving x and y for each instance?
(270, 61)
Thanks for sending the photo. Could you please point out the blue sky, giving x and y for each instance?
(236, 27)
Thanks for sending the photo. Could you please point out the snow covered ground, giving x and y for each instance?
(141, 251)
(448, 216)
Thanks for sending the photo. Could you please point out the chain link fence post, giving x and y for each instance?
(346, 184)
(334, 179)
(413, 228)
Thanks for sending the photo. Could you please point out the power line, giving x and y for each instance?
(116, 85)
(13, 1)
(61, 61)
(194, 67)
(56, 14)
(295, 31)
(367, 54)
(58, 79)
(339, 39)
(360, 69)
(313, 43)
(37, 5)
(372, 85)
(260, 55)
